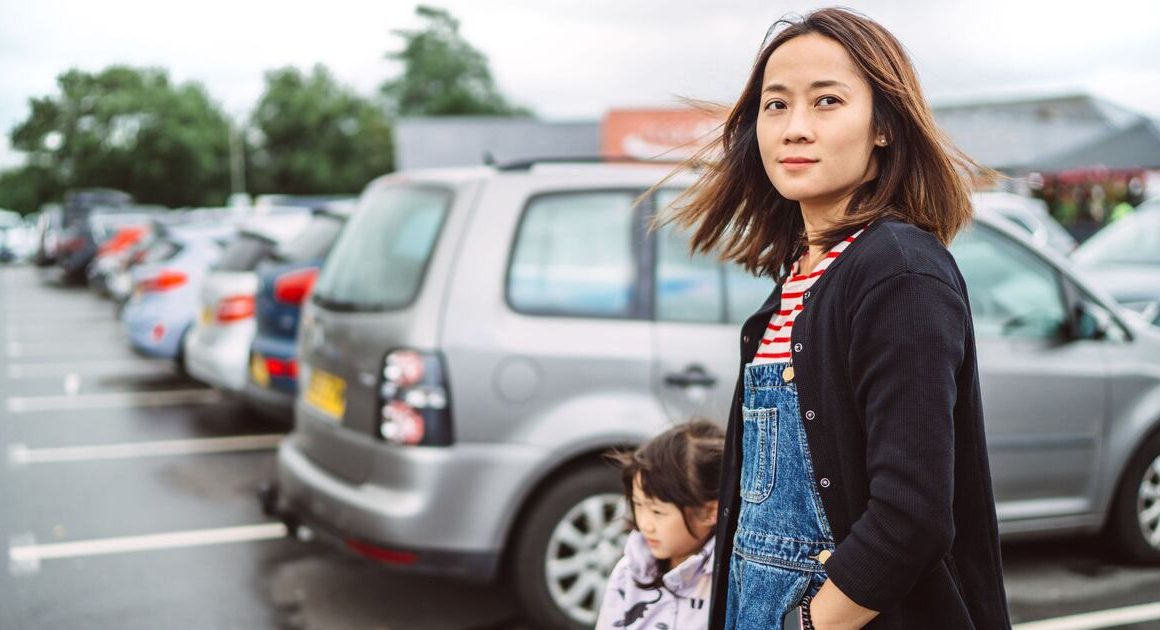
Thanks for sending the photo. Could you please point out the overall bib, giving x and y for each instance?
(782, 527)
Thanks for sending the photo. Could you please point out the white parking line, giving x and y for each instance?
(89, 368)
(116, 400)
(21, 455)
(54, 348)
(26, 558)
(1099, 619)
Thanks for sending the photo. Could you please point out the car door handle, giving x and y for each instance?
(694, 375)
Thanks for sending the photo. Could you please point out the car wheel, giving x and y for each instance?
(570, 541)
(1136, 521)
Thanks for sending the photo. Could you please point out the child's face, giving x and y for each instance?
(663, 525)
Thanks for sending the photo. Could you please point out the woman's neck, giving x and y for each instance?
(818, 218)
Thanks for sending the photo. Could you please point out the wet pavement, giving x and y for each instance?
(127, 500)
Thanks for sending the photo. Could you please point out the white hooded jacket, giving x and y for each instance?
(682, 605)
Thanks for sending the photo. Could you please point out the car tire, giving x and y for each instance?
(565, 512)
(1135, 524)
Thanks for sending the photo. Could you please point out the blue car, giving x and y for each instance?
(167, 284)
(285, 279)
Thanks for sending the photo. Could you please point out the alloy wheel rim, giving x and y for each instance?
(582, 550)
(1148, 504)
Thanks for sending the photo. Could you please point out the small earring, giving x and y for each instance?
(881, 141)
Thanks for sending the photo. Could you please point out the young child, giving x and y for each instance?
(664, 580)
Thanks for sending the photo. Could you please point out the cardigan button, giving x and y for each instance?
(797, 347)
(745, 339)
(810, 414)
(824, 482)
(806, 296)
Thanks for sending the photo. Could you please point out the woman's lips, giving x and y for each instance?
(797, 163)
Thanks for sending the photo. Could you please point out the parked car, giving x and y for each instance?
(48, 234)
(217, 348)
(1123, 258)
(16, 237)
(166, 287)
(478, 338)
(1031, 215)
(81, 241)
(285, 279)
(113, 252)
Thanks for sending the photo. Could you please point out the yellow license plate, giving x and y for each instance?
(258, 370)
(206, 316)
(327, 393)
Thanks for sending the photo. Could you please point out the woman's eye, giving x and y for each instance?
(829, 100)
(775, 105)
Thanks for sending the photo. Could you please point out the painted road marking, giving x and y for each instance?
(117, 400)
(27, 556)
(22, 455)
(1099, 619)
(90, 368)
(56, 348)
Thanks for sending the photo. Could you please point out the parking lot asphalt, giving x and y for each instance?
(127, 500)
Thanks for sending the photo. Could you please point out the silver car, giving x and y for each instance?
(478, 338)
(216, 350)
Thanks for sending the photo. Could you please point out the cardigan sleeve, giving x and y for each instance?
(907, 345)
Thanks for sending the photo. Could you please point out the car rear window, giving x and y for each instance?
(243, 253)
(313, 242)
(378, 261)
(160, 251)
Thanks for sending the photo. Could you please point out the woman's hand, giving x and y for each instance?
(830, 609)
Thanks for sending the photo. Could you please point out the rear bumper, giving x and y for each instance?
(139, 328)
(452, 515)
(222, 363)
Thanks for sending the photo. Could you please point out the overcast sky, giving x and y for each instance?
(574, 59)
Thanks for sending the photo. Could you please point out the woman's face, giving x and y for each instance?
(814, 122)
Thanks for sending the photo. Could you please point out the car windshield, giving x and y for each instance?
(379, 259)
(1134, 239)
(243, 253)
(313, 242)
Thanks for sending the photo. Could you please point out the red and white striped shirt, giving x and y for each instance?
(774, 347)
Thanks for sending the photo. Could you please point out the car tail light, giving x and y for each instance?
(235, 308)
(282, 368)
(165, 280)
(415, 409)
(158, 332)
(293, 287)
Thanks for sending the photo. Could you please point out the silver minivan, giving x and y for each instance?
(479, 337)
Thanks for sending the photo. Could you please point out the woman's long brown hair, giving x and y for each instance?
(734, 210)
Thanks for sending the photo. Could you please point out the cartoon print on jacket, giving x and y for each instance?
(680, 605)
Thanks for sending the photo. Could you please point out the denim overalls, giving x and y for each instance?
(782, 527)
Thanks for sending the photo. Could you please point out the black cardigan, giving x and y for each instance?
(884, 356)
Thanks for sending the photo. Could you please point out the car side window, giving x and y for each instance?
(699, 288)
(574, 257)
(1013, 293)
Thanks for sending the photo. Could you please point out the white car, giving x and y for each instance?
(217, 348)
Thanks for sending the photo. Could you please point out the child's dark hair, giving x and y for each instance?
(681, 466)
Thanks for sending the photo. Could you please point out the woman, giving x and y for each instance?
(855, 482)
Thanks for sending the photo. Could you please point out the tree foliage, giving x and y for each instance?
(443, 74)
(125, 128)
(314, 136)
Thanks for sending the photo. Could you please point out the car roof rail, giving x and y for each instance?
(527, 163)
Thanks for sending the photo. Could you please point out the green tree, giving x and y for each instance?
(443, 75)
(131, 129)
(314, 136)
(24, 189)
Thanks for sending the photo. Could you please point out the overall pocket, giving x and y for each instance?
(759, 448)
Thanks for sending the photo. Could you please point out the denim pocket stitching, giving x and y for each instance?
(761, 485)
